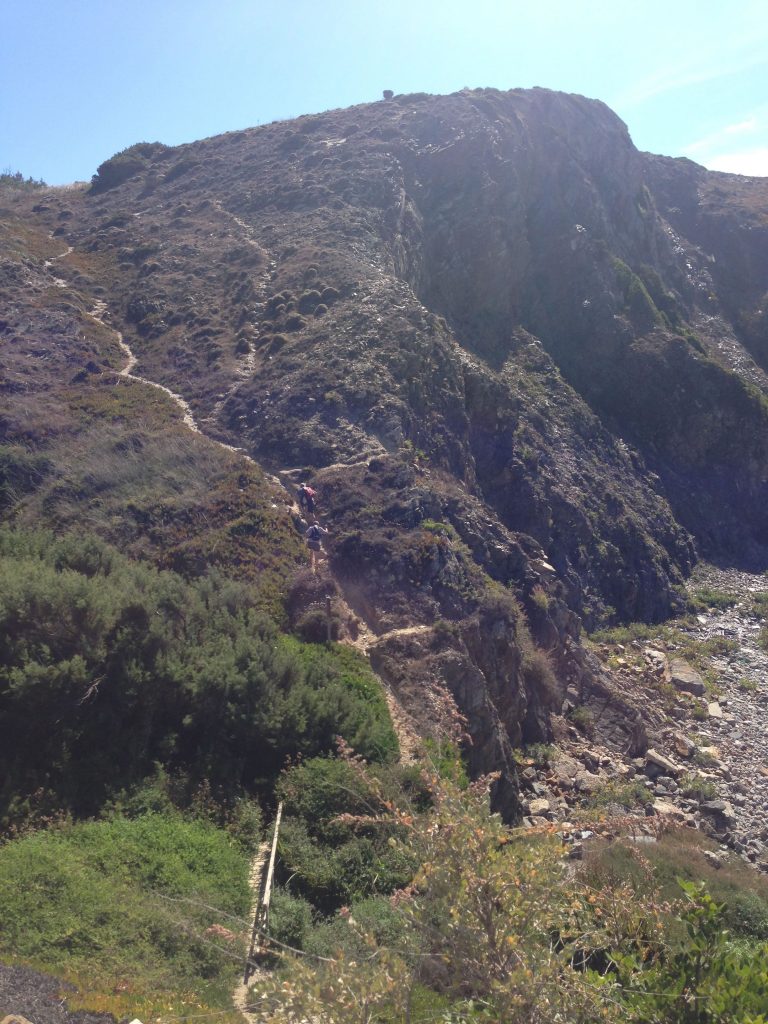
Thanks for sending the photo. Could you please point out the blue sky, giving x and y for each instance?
(82, 79)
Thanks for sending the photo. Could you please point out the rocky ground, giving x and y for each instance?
(696, 751)
(736, 722)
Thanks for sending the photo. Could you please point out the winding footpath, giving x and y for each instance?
(406, 734)
(59, 282)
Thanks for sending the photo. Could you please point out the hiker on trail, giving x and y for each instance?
(307, 499)
(314, 535)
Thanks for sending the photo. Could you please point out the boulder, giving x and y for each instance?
(668, 809)
(658, 761)
(538, 807)
(721, 810)
(586, 782)
(714, 710)
(685, 677)
(683, 746)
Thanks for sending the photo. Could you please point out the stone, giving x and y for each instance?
(685, 677)
(657, 760)
(721, 810)
(538, 807)
(713, 859)
(683, 746)
(668, 809)
(586, 782)
(714, 710)
(657, 658)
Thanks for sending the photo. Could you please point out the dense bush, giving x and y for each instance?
(108, 667)
(335, 841)
(125, 164)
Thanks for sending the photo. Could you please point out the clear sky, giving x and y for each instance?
(82, 79)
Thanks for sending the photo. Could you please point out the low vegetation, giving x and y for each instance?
(491, 927)
(121, 907)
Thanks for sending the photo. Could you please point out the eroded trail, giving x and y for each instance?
(97, 314)
(366, 637)
(365, 641)
(59, 282)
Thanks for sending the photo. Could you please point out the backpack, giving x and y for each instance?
(314, 532)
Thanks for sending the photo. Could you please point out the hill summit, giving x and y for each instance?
(522, 363)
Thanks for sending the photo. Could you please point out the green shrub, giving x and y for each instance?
(290, 918)
(432, 526)
(334, 842)
(693, 785)
(541, 754)
(347, 933)
(446, 759)
(540, 679)
(709, 598)
(21, 471)
(16, 180)
(309, 300)
(584, 720)
(314, 626)
(615, 793)
(125, 165)
(108, 668)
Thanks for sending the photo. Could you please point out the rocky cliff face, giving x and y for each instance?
(515, 355)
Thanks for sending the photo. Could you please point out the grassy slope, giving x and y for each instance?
(89, 903)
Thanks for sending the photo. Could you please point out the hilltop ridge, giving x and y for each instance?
(522, 363)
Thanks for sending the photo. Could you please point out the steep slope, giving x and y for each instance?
(479, 325)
